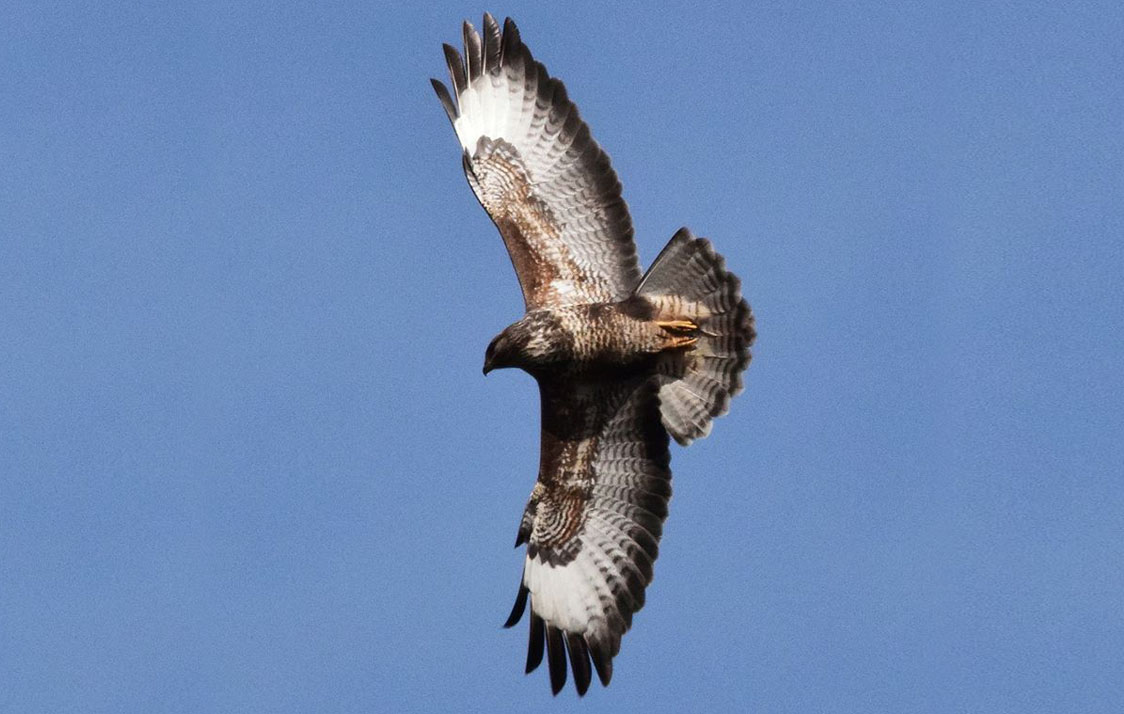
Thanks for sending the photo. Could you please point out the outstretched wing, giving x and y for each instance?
(539, 174)
(593, 523)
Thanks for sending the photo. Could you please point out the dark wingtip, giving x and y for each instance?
(579, 661)
(602, 662)
(446, 100)
(473, 50)
(456, 68)
(511, 41)
(493, 44)
(536, 639)
(556, 657)
(518, 608)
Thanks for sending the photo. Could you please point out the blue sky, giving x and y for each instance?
(248, 461)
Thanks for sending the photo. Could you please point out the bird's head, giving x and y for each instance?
(501, 352)
(530, 343)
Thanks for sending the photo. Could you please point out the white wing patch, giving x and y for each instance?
(562, 596)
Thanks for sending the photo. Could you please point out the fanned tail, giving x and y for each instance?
(689, 281)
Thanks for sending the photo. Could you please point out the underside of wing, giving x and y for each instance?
(593, 523)
(531, 161)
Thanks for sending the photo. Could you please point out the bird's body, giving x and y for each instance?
(622, 360)
(577, 340)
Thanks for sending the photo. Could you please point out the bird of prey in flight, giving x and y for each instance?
(622, 359)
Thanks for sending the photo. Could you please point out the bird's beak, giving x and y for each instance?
(487, 366)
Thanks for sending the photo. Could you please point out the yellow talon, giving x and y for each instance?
(678, 326)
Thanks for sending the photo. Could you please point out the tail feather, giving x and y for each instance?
(688, 280)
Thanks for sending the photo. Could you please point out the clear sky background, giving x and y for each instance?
(248, 461)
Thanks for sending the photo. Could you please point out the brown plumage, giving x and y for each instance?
(622, 360)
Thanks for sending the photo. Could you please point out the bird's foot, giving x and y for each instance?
(682, 333)
(678, 327)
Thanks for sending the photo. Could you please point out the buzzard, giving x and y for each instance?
(622, 360)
